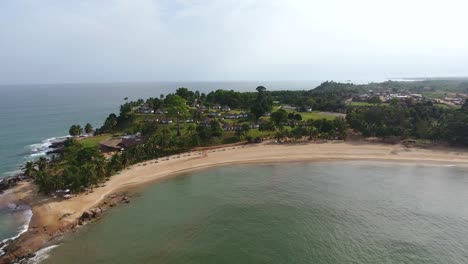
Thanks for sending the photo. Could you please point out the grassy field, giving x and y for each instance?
(365, 104)
(94, 141)
(434, 95)
(317, 115)
(309, 115)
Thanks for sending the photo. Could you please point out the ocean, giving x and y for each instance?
(358, 212)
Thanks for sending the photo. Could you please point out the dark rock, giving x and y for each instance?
(86, 215)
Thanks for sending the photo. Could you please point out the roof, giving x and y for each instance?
(111, 143)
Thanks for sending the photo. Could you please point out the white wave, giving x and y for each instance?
(41, 255)
(27, 215)
(41, 149)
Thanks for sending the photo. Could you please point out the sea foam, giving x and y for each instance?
(41, 149)
(41, 255)
(25, 218)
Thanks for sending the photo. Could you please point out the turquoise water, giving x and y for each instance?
(325, 212)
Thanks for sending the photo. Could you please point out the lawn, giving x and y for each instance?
(310, 115)
(317, 115)
(434, 95)
(366, 104)
(94, 141)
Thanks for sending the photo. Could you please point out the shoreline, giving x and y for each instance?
(54, 217)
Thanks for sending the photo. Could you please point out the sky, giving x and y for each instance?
(60, 41)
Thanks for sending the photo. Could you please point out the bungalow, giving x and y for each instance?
(227, 127)
(214, 114)
(145, 109)
(120, 143)
(206, 122)
(160, 111)
(111, 145)
(151, 120)
(131, 140)
(166, 121)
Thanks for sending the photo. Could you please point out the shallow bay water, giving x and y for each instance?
(321, 212)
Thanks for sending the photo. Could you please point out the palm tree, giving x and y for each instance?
(88, 128)
(101, 168)
(29, 169)
(42, 164)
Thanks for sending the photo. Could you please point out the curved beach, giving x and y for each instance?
(53, 217)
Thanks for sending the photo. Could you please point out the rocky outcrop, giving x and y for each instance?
(90, 215)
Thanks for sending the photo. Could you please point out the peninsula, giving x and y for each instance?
(186, 131)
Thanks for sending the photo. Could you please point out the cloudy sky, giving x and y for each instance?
(54, 41)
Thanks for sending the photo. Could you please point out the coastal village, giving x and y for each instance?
(188, 126)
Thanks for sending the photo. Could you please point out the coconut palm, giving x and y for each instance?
(29, 169)
(42, 164)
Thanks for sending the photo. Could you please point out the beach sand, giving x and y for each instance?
(53, 217)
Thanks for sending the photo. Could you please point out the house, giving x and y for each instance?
(288, 107)
(120, 143)
(253, 126)
(206, 122)
(214, 114)
(131, 140)
(160, 111)
(166, 121)
(151, 120)
(110, 145)
(217, 107)
(227, 127)
(145, 109)
(225, 108)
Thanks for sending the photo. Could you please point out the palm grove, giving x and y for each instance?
(79, 166)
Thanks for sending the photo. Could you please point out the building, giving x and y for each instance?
(120, 143)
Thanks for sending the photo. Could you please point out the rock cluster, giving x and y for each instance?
(90, 215)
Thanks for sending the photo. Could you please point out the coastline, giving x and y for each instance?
(54, 217)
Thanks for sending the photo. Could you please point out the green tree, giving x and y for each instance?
(262, 104)
(297, 117)
(216, 129)
(279, 117)
(177, 106)
(186, 94)
(75, 130)
(29, 169)
(88, 128)
(42, 164)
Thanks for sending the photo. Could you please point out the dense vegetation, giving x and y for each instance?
(174, 123)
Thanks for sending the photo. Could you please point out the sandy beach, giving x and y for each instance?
(54, 217)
